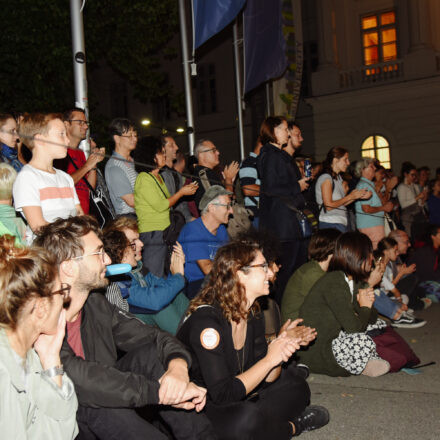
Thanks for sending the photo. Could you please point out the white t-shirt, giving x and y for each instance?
(54, 193)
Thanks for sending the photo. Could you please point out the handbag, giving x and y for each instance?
(98, 207)
(177, 222)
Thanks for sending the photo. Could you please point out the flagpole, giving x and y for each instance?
(238, 88)
(186, 78)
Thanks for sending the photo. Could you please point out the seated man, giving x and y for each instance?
(153, 369)
(321, 248)
(154, 300)
(41, 192)
(202, 237)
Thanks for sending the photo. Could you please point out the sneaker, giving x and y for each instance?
(410, 311)
(407, 321)
(313, 417)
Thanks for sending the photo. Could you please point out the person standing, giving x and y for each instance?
(280, 198)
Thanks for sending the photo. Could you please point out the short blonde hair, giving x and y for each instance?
(33, 124)
(7, 179)
(121, 223)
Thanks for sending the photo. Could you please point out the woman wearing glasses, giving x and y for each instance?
(37, 399)
(9, 141)
(250, 393)
(156, 301)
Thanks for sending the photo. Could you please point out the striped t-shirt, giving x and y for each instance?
(54, 193)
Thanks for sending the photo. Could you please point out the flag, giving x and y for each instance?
(211, 16)
(264, 43)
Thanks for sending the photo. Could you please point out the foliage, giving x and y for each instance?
(36, 53)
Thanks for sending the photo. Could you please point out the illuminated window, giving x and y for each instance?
(379, 38)
(377, 147)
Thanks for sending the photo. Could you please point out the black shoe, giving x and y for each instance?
(407, 321)
(313, 417)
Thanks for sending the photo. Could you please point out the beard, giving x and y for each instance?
(90, 280)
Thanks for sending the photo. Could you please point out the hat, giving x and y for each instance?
(210, 194)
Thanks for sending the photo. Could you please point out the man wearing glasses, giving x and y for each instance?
(76, 127)
(117, 362)
(201, 238)
(208, 158)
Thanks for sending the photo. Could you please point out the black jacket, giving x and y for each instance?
(427, 260)
(105, 329)
(279, 190)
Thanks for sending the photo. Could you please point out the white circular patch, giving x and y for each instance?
(209, 338)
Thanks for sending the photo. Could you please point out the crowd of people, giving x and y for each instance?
(151, 295)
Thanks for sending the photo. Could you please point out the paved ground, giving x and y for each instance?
(396, 406)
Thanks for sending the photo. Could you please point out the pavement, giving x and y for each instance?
(396, 406)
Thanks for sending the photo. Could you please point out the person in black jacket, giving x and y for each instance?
(254, 392)
(280, 198)
(117, 362)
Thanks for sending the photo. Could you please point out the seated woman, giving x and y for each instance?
(321, 248)
(37, 399)
(339, 307)
(396, 310)
(156, 301)
(250, 395)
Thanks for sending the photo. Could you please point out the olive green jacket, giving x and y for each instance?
(298, 287)
(329, 308)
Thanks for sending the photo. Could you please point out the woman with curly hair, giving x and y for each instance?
(252, 392)
(37, 399)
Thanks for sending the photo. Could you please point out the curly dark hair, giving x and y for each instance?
(115, 243)
(223, 286)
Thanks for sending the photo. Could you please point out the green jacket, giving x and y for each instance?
(298, 287)
(41, 410)
(12, 225)
(330, 308)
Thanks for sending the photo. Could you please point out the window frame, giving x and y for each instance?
(376, 148)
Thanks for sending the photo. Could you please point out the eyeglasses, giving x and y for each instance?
(132, 245)
(133, 135)
(227, 205)
(264, 266)
(65, 291)
(210, 149)
(13, 131)
(80, 121)
(101, 252)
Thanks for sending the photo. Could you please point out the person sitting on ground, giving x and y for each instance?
(389, 301)
(224, 331)
(340, 307)
(153, 369)
(41, 192)
(9, 222)
(321, 248)
(156, 301)
(37, 399)
(208, 158)
(153, 204)
(201, 238)
(120, 173)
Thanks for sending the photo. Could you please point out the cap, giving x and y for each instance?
(211, 193)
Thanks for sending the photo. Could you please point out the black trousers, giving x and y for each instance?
(293, 254)
(127, 424)
(266, 415)
(409, 285)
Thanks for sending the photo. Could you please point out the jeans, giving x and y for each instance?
(384, 304)
(338, 226)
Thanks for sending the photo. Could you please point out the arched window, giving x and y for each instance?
(377, 147)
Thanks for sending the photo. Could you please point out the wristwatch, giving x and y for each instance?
(53, 371)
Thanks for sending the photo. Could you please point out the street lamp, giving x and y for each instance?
(180, 130)
(145, 122)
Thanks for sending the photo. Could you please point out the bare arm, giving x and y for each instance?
(34, 217)
(79, 210)
(387, 207)
(251, 190)
(205, 266)
(128, 199)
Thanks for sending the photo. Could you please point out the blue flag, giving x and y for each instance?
(264, 43)
(211, 16)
